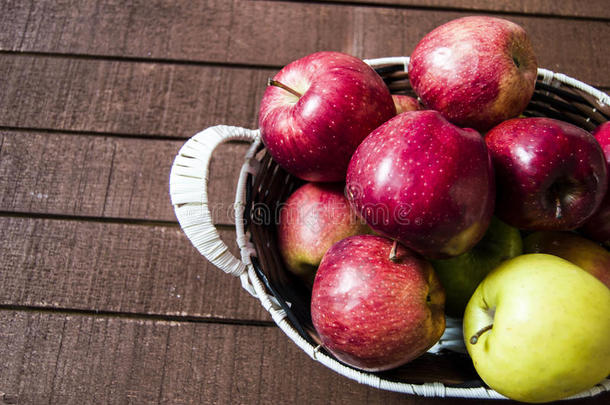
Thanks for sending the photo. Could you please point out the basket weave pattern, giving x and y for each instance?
(445, 370)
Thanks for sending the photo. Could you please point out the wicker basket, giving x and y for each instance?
(445, 370)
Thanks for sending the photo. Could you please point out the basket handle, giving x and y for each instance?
(188, 188)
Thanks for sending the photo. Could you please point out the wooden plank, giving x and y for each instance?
(271, 33)
(596, 9)
(100, 176)
(65, 94)
(75, 359)
(112, 267)
(126, 97)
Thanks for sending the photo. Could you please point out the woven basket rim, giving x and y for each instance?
(204, 236)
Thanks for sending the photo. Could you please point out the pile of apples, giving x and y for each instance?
(416, 209)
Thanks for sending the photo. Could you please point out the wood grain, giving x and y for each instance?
(128, 98)
(114, 267)
(104, 300)
(124, 97)
(270, 33)
(111, 361)
(101, 176)
(597, 9)
(129, 361)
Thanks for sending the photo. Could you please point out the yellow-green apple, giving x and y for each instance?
(375, 304)
(424, 181)
(311, 220)
(477, 71)
(537, 329)
(318, 109)
(405, 103)
(584, 253)
(598, 226)
(461, 275)
(551, 175)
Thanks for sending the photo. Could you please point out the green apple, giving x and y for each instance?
(537, 329)
(461, 275)
(583, 252)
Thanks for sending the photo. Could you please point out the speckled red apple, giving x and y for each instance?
(477, 71)
(551, 175)
(373, 312)
(319, 110)
(598, 226)
(312, 219)
(404, 103)
(424, 181)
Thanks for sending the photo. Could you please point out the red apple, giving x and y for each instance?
(551, 175)
(583, 252)
(318, 109)
(422, 180)
(374, 310)
(477, 71)
(405, 103)
(311, 220)
(598, 226)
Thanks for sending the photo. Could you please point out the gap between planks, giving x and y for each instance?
(136, 315)
(136, 59)
(254, 50)
(106, 134)
(111, 220)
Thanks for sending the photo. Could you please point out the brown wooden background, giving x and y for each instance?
(102, 298)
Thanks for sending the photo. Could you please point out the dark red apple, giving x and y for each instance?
(373, 309)
(598, 226)
(318, 109)
(551, 175)
(477, 71)
(424, 181)
(311, 220)
(405, 103)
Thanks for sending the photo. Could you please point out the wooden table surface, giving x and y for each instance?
(103, 298)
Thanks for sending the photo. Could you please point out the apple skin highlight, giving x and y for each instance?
(551, 175)
(343, 100)
(476, 71)
(312, 219)
(550, 328)
(372, 312)
(424, 181)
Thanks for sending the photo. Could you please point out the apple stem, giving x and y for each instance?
(475, 338)
(516, 62)
(393, 251)
(271, 82)
(558, 213)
